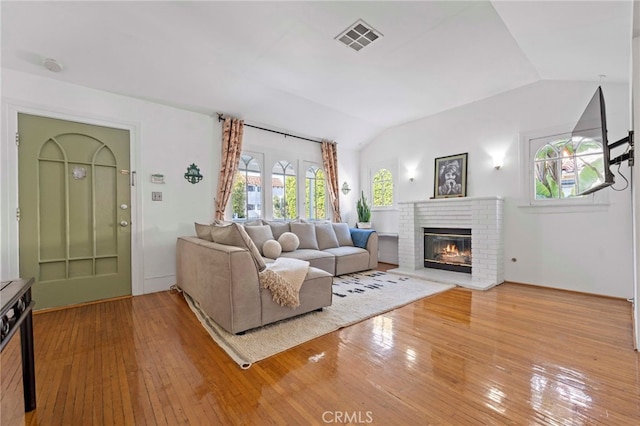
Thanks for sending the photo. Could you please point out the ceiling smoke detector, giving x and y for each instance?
(52, 65)
(359, 35)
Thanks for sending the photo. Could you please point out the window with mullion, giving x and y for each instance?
(284, 188)
(566, 167)
(382, 188)
(315, 194)
(246, 195)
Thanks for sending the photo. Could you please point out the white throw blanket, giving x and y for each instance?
(283, 278)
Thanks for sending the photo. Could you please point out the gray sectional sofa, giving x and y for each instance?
(220, 268)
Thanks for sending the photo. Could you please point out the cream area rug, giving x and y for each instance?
(356, 297)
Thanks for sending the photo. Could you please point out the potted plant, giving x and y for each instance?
(364, 212)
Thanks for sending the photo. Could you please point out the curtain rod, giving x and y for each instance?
(221, 117)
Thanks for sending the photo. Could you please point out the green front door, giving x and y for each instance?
(74, 200)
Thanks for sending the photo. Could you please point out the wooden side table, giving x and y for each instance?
(17, 308)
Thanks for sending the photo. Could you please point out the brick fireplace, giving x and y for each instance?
(482, 215)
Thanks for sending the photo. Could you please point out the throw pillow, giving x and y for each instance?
(306, 233)
(289, 241)
(279, 228)
(235, 235)
(326, 236)
(259, 234)
(203, 231)
(272, 249)
(343, 234)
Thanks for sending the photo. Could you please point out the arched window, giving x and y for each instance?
(382, 188)
(246, 196)
(566, 167)
(283, 185)
(314, 188)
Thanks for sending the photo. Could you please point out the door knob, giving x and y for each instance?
(124, 223)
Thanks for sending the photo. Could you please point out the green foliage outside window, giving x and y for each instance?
(290, 196)
(567, 167)
(239, 197)
(285, 207)
(382, 188)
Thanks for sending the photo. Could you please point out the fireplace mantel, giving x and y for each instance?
(483, 215)
(454, 200)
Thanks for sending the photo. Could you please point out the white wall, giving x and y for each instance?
(164, 140)
(587, 251)
(348, 171)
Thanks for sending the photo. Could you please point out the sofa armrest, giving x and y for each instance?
(372, 248)
(223, 279)
(359, 236)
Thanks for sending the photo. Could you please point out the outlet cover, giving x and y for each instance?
(156, 196)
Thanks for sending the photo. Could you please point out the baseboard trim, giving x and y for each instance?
(566, 290)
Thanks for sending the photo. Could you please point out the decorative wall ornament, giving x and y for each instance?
(193, 174)
(79, 173)
(345, 188)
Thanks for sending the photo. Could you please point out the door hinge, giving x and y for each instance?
(17, 139)
(18, 214)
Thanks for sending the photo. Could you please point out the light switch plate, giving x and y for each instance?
(156, 196)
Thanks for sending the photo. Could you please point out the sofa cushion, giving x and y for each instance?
(326, 236)
(235, 235)
(278, 228)
(306, 233)
(316, 258)
(343, 234)
(203, 231)
(289, 241)
(271, 249)
(350, 259)
(259, 234)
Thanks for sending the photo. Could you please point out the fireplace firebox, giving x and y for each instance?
(448, 249)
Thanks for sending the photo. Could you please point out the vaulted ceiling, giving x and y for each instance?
(278, 64)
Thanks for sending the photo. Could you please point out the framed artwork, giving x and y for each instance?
(450, 176)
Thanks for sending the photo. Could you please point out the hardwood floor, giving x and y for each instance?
(515, 354)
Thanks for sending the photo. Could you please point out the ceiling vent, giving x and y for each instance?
(359, 35)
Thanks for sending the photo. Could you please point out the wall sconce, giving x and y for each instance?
(497, 162)
(193, 174)
(412, 175)
(345, 188)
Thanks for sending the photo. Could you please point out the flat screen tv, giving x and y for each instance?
(593, 125)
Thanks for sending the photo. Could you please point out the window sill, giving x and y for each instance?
(384, 209)
(565, 208)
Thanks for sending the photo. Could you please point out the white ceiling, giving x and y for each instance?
(277, 64)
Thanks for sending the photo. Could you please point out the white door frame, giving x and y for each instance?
(9, 238)
(635, 182)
